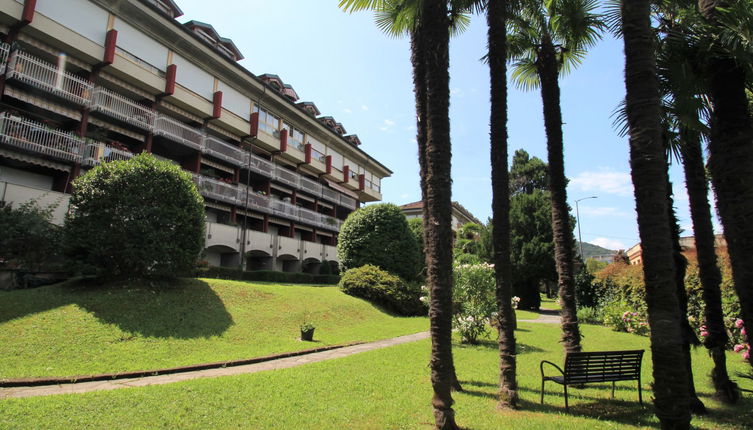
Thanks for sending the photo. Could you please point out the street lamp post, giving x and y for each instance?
(577, 220)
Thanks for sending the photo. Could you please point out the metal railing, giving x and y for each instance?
(253, 200)
(318, 156)
(41, 74)
(178, 132)
(284, 209)
(224, 151)
(122, 108)
(347, 202)
(311, 186)
(261, 166)
(330, 223)
(97, 153)
(308, 216)
(286, 176)
(4, 51)
(331, 195)
(36, 137)
(217, 190)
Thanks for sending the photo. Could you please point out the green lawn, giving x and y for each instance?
(65, 330)
(383, 389)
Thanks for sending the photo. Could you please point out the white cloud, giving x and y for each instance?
(602, 211)
(364, 107)
(404, 196)
(387, 124)
(608, 243)
(347, 110)
(604, 180)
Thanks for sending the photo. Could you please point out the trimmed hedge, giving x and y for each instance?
(266, 276)
(383, 288)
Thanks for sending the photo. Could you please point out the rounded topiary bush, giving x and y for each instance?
(139, 218)
(379, 235)
(376, 285)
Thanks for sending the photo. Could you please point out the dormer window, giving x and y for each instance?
(208, 34)
(167, 7)
(309, 108)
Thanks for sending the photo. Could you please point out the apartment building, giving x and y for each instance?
(85, 82)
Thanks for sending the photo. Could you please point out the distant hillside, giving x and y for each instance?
(590, 250)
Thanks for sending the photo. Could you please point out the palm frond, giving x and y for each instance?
(524, 74)
(360, 5)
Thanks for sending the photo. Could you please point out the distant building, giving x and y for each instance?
(460, 215)
(635, 253)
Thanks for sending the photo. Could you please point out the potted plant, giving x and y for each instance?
(307, 331)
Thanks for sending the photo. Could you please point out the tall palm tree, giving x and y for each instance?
(548, 38)
(731, 137)
(649, 176)
(497, 58)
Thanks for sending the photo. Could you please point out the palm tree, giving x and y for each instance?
(649, 175)
(497, 57)
(549, 38)
(731, 137)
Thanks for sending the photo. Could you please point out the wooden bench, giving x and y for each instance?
(603, 366)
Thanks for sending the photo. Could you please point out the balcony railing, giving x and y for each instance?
(4, 51)
(253, 200)
(261, 166)
(286, 176)
(122, 108)
(318, 156)
(35, 137)
(178, 132)
(218, 190)
(224, 151)
(347, 202)
(43, 75)
(310, 186)
(330, 223)
(308, 216)
(331, 195)
(97, 153)
(284, 209)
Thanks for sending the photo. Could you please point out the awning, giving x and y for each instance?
(340, 188)
(34, 160)
(217, 166)
(42, 103)
(217, 206)
(108, 126)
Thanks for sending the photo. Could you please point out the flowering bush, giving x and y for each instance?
(635, 323)
(474, 301)
(743, 347)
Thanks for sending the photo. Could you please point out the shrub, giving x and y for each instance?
(590, 315)
(474, 300)
(378, 235)
(379, 286)
(467, 259)
(587, 292)
(28, 239)
(266, 276)
(140, 218)
(416, 227)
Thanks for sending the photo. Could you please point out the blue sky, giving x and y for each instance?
(362, 78)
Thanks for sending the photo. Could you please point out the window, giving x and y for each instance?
(295, 136)
(268, 122)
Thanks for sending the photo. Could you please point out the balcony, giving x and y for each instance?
(97, 153)
(122, 108)
(178, 132)
(284, 209)
(261, 166)
(347, 202)
(252, 200)
(318, 156)
(224, 151)
(35, 137)
(329, 223)
(331, 195)
(310, 186)
(217, 190)
(286, 176)
(40, 74)
(307, 216)
(4, 51)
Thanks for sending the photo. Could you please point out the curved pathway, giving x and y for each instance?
(546, 317)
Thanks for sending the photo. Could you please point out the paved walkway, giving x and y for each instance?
(547, 317)
(281, 363)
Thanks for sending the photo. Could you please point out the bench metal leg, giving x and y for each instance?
(640, 395)
(542, 391)
(567, 408)
(613, 382)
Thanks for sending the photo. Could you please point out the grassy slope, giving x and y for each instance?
(65, 331)
(381, 389)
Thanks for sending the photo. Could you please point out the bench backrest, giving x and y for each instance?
(603, 366)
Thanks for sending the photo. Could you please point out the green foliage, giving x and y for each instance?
(28, 239)
(379, 286)
(467, 259)
(590, 315)
(593, 266)
(266, 276)
(486, 244)
(325, 268)
(416, 226)
(139, 218)
(527, 174)
(379, 235)
(586, 293)
(474, 300)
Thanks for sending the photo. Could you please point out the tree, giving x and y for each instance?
(648, 171)
(496, 16)
(549, 38)
(28, 239)
(730, 52)
(416, 227)
(379, 235)
(467, 238)
(139, 218)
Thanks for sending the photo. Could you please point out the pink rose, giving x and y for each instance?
(739, 323)
(738, 348)
(746, 355)
(704, 333)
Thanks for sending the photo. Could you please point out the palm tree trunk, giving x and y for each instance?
(419, 90)
(648, 170)
(508, 385)
(708, 270)
(562, 232)
(437, 205)
(731, 165)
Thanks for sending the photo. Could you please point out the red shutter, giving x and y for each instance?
(328, 164)
(346, 173)
(283, 140)
(172, 71)
(254, 120)
(111, 41)
(307, 152)
(27, 15)
(361, 182)
(217, 102)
